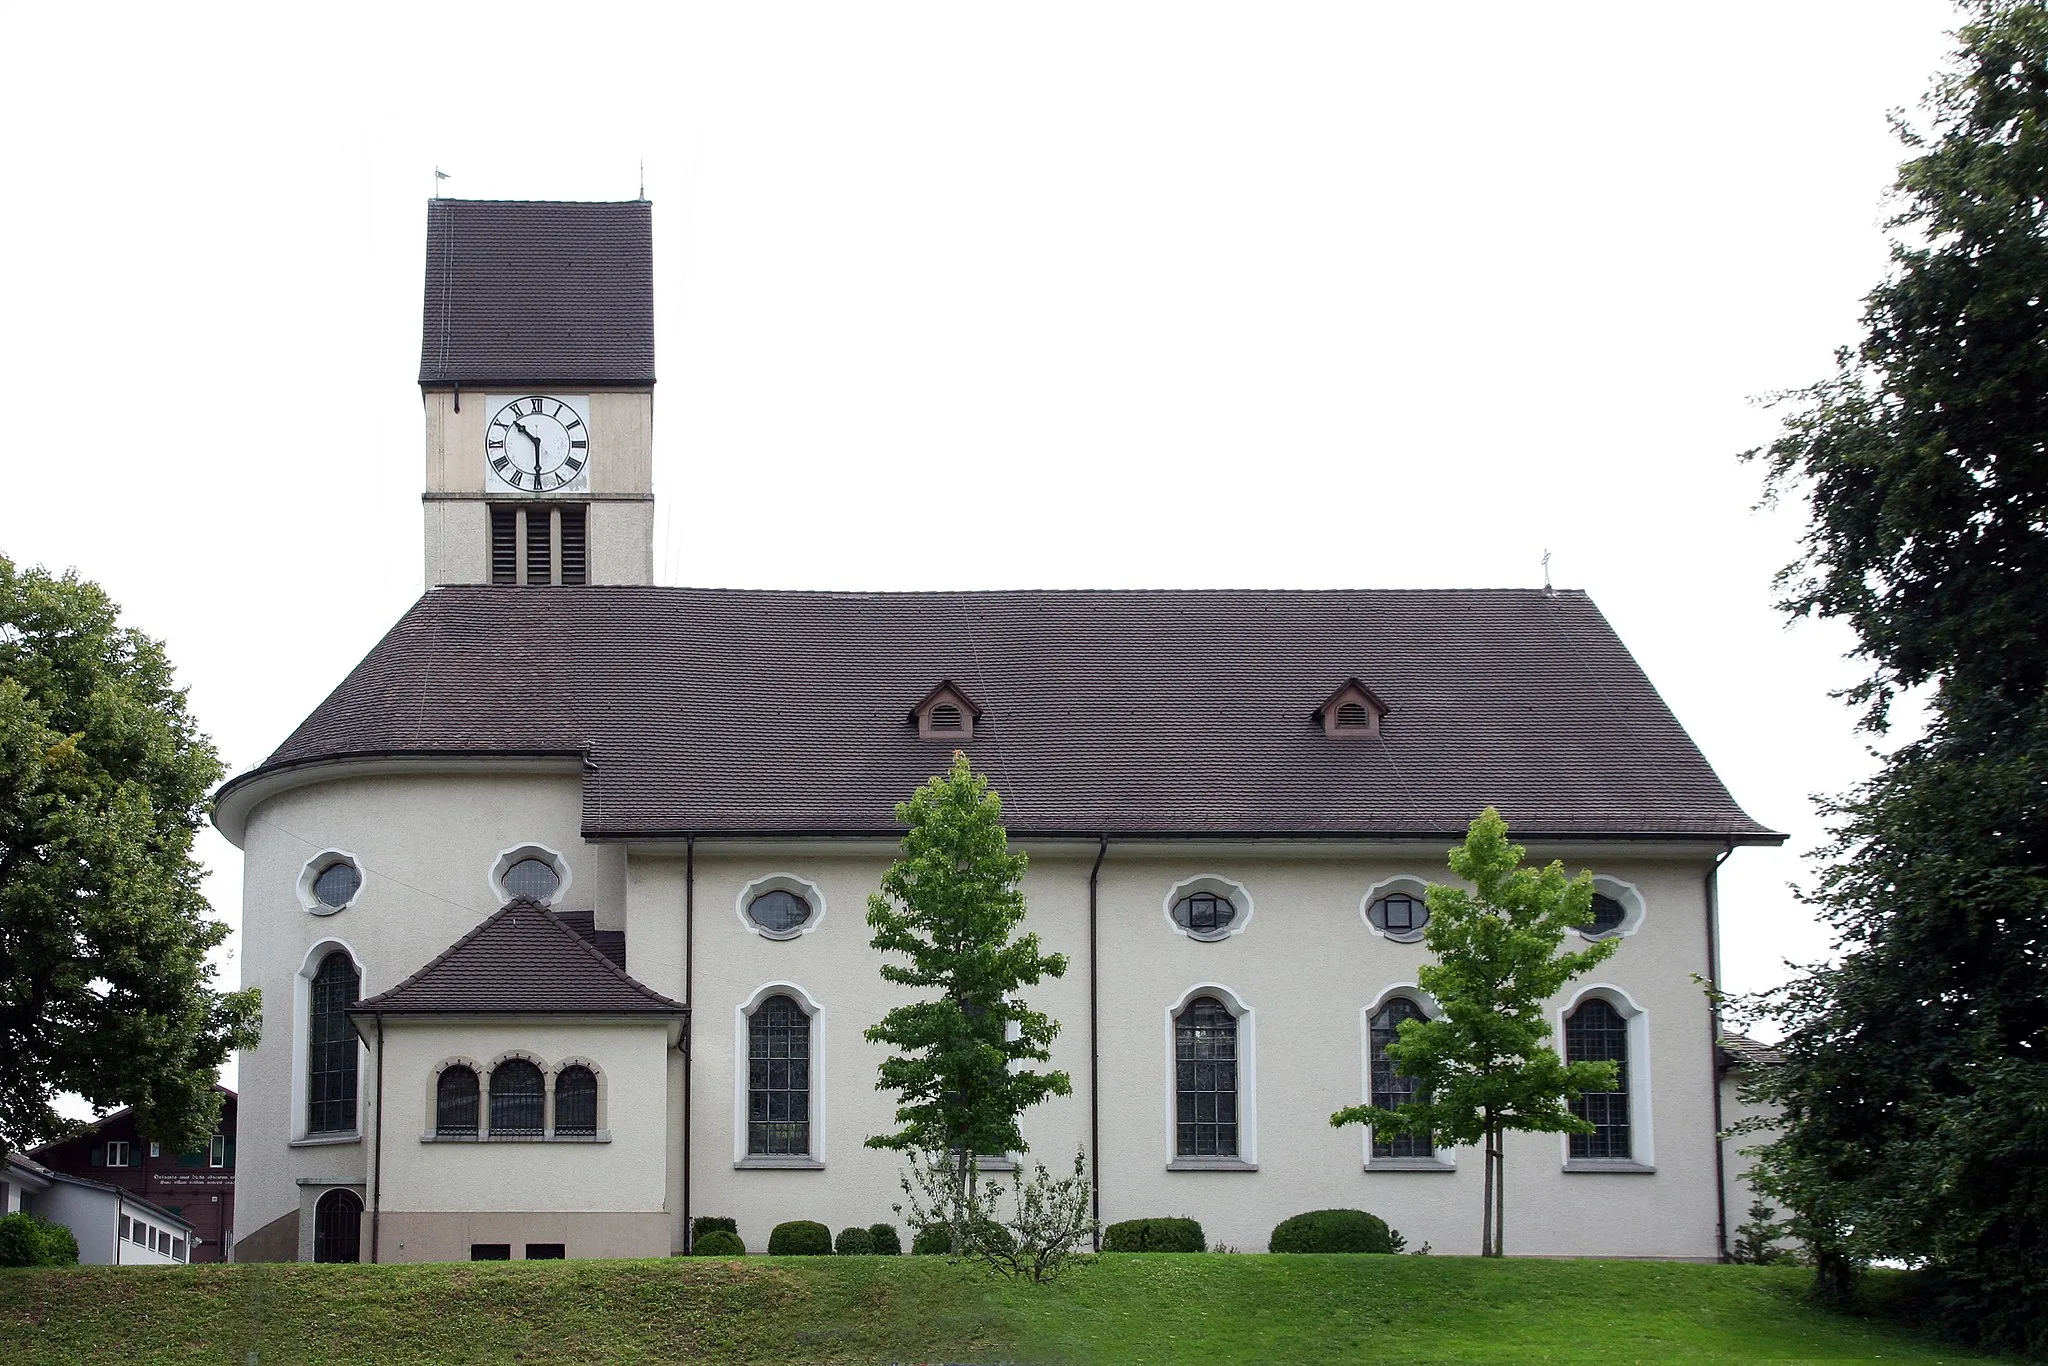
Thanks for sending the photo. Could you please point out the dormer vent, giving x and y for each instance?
(945, 713)
(1352, 713)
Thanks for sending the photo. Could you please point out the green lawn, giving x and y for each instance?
(1118, 1310)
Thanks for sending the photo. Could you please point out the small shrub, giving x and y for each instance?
(800, 1238)
(31, 1240)
(720, 1242)
(854, 1242)
(704, 1223)
(1333, 1230)
(887, 1242)
(1153, 1235)
(933, 1240)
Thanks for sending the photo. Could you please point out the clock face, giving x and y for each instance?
(537, 443)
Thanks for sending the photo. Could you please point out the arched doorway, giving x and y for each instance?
(338, 1227)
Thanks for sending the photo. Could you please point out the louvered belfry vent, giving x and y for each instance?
(504, 545)
(540, 546)
(575, 558)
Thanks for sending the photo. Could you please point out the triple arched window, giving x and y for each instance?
(1596, 1032)
(514, 1102)
(331, 1047)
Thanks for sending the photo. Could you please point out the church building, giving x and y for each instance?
(557, 901)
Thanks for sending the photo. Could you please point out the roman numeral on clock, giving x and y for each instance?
(501, 465)
(579, 445)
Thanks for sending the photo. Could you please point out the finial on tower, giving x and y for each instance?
(1548, 591)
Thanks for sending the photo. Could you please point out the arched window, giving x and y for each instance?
(518, 1099)
(779, 1079)
(1205, 1080)
(1595, 1032)
(338, 1227)
(455, 1103)
(331, 1047)
(1390, 1088)
(576, 1102)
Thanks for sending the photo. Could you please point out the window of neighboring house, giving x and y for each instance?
(124, 1226)
(25, 1203)
(545, 1252)
(455, 1103)
(331, 1047)
(1595, 1032)
(1205, 1081)
(156, 1150)
(1390, 1088)
(117, 1153)
(575, 1102)
(177, 1249)
(338, 1227)
(779, 1079)
(490, 1252)
(217, 1151)
(518, 1099)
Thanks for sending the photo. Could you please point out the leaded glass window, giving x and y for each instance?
(1204, 913)
(1399, 913)
(1205, 1080)
(338, 1227)
(779, 1079)
(518, 1099)
(331, 1047)
(532, 878)
(576, 1102)
(1595, 1032)
(779, 911)
(455, 1103)
(337, 884)
(1391, 1089)
(1607, 915)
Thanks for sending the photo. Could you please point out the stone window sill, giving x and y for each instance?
(1211, 1164)
(772, 1162)
(601, 1136)
(324, 1140)
(1408, 1164)
(1609, 1166)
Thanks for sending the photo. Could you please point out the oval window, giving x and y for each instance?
(779, 912)
(532, 878)
(1607, 916)
(1399, 913)
(337, 884)
(1204, 914)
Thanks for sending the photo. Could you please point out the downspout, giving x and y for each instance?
(1714, 1048)
(689, 1022)
(1095, 1047)
(377, 1149)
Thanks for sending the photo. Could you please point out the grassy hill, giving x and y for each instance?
(1119, 1310)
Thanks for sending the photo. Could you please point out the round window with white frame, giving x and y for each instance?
(1617, 910)
(1208, 908)
(1396, 908)
(330, 881)
(531, 872)
(781, 906)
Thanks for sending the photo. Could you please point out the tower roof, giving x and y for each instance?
(538, 294)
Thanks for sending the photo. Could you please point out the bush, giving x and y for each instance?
(800, 1238)
(854, 1242)
(719, 1242)
(887, 1243)
(933, 1240)
(705, 1223)
(1334, 1230)
(31, 1240)
(1153, 1235)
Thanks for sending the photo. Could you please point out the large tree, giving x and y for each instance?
(1484, 1067)
(105, 988)
(950, 905)
(1915, 1083)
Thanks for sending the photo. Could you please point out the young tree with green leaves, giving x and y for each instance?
(1914, 1086)
(1484, 1067)
(105, 990)
(950, 905)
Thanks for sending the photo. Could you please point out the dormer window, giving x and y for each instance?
(946, 713)
(1352, 713)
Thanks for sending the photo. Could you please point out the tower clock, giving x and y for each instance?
(537, 444)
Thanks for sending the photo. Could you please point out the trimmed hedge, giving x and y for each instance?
(1154, 1235)
(32, 1240)
(933, 1240)
(1334, 1230)
(800, 1238)
(887, 1242)
(719, 1242)
(705, 1223)
(854, 1242)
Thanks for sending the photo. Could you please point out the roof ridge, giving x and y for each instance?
(520, 906)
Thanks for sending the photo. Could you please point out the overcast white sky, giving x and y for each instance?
(967, 296)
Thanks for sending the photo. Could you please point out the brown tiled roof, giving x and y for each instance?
(1739, 1050)
(610, 943)
(1128, 713)
(538, 294)
(523, 960)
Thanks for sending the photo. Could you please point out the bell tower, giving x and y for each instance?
(537, 375)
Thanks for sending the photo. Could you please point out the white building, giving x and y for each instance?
(557, 902)
(113, 1227)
